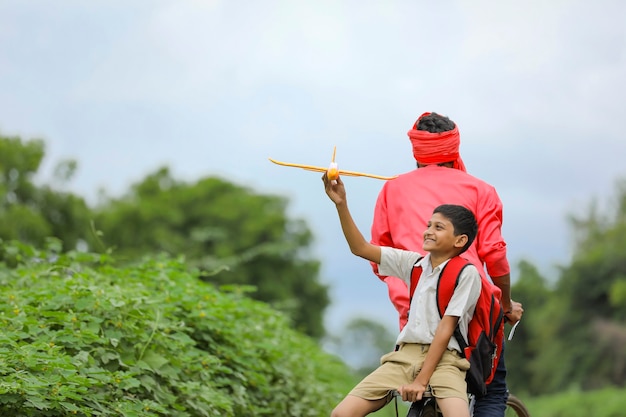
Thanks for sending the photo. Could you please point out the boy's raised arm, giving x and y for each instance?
(358, 245)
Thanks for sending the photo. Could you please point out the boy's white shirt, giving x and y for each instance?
(423, 314)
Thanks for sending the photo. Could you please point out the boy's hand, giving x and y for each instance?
(412, 392)
(334, 189)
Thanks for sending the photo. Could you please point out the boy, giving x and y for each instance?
(426, 353)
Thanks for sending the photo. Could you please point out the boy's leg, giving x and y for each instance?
(375, 390)
(353, 406)
(453, 407)
(494, 403)
(448, 385)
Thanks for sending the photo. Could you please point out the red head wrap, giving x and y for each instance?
(436, 148)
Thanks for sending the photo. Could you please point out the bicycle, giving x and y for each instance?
(427, 407)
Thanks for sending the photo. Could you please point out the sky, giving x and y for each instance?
(215, 88)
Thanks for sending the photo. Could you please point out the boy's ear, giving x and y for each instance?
(460, 241)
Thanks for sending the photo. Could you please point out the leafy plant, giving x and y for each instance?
(83, 337)
(607, 402)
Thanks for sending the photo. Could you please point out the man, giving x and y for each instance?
(405, 205)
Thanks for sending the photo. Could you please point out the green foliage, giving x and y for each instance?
(592, 311)
(218, 226)
(83, 337)
(608, 402)
(19, 162)
(526, 347)
(31, 213)
(225, 228)
(573, 333)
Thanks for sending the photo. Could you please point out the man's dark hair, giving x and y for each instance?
(435, 123)
(462, 219)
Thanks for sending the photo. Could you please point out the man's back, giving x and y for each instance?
(406, 203)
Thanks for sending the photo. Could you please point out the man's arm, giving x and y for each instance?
(513, 310)
(444, 332)
(492, 251)
(358, 245)
(504, 283)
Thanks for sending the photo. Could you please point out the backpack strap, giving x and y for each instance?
(448, 280)
(415, 277)
(446, 285)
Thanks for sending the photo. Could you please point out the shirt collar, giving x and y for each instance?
(427, 266)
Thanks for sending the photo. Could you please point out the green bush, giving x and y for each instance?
(608, 402)
(81, 337)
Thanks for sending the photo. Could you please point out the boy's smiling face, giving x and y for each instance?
(439, 236)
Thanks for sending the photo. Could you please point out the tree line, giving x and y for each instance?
(231, 234)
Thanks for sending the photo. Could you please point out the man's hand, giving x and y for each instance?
(412, 392)
(515, 314)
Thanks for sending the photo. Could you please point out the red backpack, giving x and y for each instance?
(485, 330)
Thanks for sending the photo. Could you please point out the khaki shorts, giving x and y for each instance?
(402, 366)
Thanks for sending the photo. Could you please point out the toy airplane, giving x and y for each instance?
(332, 171)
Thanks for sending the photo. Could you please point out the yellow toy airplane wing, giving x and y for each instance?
(332, 170)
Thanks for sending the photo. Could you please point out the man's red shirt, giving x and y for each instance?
(405, 205)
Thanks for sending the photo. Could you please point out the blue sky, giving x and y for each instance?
(216, 87)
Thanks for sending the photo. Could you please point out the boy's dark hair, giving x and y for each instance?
(463, 221)
(434, 123)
